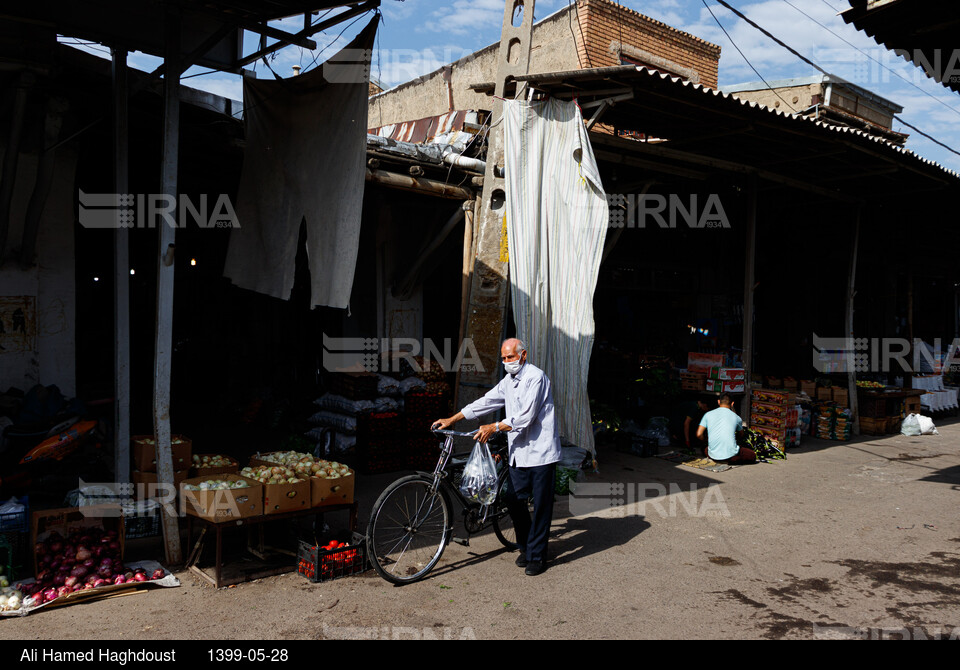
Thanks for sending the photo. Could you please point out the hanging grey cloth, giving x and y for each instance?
(304, 160)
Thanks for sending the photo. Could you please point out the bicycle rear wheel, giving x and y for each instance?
(409, 528)
(503, 522)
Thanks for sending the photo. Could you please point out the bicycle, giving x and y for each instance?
(412, 521)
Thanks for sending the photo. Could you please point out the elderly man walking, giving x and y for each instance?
(531, 427)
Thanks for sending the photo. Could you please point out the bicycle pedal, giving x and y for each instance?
(461, 541)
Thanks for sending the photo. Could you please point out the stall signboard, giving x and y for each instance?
(697, 362)
(728, 374)
(725, 386)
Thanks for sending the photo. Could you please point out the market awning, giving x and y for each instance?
(922, 31)
(211, 29)
(676, 127)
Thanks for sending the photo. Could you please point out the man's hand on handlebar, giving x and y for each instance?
(485, 432)
(442, 424)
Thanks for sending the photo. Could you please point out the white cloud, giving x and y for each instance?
(463, 17)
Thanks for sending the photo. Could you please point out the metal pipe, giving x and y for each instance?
(451, 157)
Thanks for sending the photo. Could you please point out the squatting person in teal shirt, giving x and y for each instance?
(719, 428)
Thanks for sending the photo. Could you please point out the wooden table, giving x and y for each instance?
(252, 523)
(870, 422)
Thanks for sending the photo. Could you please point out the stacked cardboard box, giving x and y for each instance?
(143, 456)
(697, 362)
(726, 380)
(775, 415)
(833, 422)
(693, 381)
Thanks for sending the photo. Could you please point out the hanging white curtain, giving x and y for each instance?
(556, 225)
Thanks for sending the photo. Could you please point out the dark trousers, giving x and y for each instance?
(537, 484)
(743, 456)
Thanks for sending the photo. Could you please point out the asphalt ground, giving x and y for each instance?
(856, 539)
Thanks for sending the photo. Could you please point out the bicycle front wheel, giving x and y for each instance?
(409, 528)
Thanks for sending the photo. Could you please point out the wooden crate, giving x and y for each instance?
(873, 426)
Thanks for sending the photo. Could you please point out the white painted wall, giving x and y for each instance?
(50, 356)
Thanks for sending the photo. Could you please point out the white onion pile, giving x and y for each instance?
(272, 474)
(217, 485)
(10, 597)
(306, 465)
(215, 461)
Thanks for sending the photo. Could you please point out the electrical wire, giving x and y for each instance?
(820, 69)
(580, 28)
(893, 72)
(742, 55)
(932, 139)
(334, 41)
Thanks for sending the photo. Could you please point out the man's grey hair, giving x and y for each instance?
(519, 347)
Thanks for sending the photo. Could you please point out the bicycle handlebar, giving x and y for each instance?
(453, 432)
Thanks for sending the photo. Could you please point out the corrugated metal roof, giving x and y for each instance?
(721, 126)
(923, 32)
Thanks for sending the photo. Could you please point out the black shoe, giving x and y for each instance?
(522, 561)
(534, 568)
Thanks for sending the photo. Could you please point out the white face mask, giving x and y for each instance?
(513, 367)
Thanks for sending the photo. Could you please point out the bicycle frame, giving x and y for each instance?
(440, 476)
(411, 508)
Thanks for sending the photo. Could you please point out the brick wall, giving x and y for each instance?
(606, 26)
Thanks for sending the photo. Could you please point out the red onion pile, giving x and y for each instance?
(87, 559)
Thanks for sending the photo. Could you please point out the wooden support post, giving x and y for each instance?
(851, 360)
(749, 280)
(165, 267)
(121, 269)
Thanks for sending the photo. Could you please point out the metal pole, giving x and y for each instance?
(749, 280)
(164, 332)
(490, 286)
(121, 266)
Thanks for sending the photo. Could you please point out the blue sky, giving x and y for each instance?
(419, 36)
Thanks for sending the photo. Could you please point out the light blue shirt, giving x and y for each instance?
(528, 401)
(722, 425)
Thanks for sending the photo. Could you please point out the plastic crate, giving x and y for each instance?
(13, 555)
(16, 522)
(141, 519)
(324, 565)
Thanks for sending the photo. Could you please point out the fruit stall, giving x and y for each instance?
(278, 488)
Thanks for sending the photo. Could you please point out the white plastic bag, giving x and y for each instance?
(926, 425)
(479, 482)
(911, 425)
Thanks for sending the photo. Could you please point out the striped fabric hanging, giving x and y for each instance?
(556, 225)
